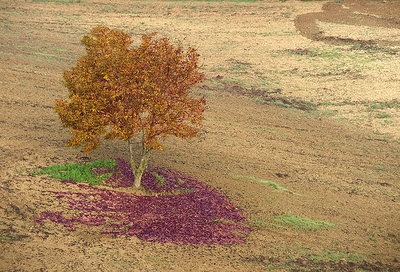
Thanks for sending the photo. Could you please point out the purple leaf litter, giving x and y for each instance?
(189, 212)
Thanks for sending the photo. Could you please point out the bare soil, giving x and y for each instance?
(304, 94)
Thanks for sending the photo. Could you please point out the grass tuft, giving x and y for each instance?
(336, 257)
(282, 104)
(303, 224)
(262, 223)
(266, 182)
(384, 105)
(383, 115)
(159, 179)
(78, 173)
(12, 237)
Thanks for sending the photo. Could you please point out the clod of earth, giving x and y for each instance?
(192, 212)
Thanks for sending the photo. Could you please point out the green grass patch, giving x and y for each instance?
(216, 84)
(334, 256)
(327, 54)
(10, 14)
(328, 113)
(303, 224)
(381, 167)
(375, 49)
(259, 100)
(159, 179)
(77, 172)
(317, 53)
(276, 33)
(180, 181)
(383, 115)
(6, 238)
(384, 105)
(12, 237)
(330, 103)
(262, 223)
(266, 182)
(239, 68)
(282, 104)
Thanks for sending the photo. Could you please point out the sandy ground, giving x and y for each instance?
(304, 94)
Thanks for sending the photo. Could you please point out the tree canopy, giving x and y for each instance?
(117, 91)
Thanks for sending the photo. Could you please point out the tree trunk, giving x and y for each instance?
(144, 160)
(141, 168)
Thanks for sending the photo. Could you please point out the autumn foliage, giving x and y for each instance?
(118, 91)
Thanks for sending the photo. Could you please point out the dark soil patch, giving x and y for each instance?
(270, 97)
(374, 48)
(356, 12)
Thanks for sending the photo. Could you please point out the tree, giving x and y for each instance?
(118, 91)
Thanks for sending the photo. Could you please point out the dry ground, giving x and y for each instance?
(304, 94)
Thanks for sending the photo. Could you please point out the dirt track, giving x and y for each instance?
(281, 107)
(353, 12)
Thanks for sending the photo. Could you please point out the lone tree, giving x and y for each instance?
(118, 91)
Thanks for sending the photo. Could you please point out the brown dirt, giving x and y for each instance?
(304, 113)
(376, 14)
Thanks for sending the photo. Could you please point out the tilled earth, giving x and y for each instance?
(314, 112)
